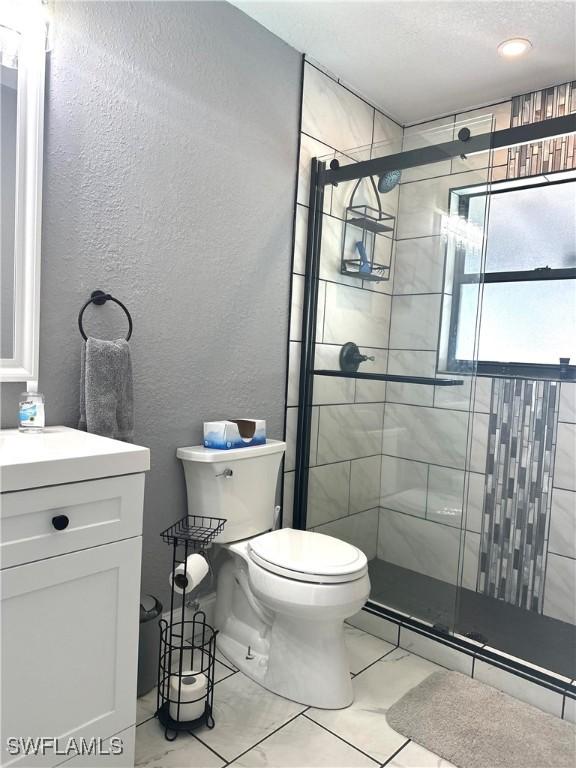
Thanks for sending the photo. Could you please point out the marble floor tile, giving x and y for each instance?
(430, 649)
(245, 713)
(221, 660)
(153, 751)
(415, 756)
(146, 706)
(375, 625)
(363, 649)
(363, 724)
(303, 743)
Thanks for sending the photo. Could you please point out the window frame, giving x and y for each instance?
(460, 277)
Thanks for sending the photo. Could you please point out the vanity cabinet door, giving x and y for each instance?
(70, 647)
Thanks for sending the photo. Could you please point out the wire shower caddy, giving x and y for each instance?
(187, 646)
(366, 230)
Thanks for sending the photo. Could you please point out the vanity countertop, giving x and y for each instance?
(64, 455)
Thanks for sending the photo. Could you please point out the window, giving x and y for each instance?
(512, 303)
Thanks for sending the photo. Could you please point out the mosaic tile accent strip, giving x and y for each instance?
(543, 156)
(518, 491)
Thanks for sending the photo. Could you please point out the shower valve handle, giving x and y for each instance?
(351, 357)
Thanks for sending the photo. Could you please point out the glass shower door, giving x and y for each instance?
(394, 433)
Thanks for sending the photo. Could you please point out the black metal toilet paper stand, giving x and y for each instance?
(187, 646)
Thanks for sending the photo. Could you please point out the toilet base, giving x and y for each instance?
(287, 635)
(307, 664)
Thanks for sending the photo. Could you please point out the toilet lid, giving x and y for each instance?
(308, 556)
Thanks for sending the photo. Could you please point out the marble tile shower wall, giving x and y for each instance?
(346, 444)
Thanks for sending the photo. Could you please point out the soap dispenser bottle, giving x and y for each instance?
(31, 416)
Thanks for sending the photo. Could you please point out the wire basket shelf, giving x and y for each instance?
(197, 530)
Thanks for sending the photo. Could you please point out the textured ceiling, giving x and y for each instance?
(419, 59)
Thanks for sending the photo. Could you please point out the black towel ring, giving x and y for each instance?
(100, 297)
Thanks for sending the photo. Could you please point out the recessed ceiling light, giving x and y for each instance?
(516, 46)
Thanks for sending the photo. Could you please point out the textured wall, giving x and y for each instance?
(171, 156)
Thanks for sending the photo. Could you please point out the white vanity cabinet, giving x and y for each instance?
(70, 553)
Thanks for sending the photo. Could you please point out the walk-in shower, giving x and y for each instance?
(436, 428)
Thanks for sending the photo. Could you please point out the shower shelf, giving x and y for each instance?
(371, 225)
(426, 380)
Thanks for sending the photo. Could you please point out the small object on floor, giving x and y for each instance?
(475, 726)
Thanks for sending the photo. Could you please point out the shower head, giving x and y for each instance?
(388, 181)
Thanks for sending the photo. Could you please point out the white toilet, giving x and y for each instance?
(282, 596)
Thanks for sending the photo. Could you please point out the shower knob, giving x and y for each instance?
(351, 357)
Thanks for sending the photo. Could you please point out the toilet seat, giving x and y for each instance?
(308, 556)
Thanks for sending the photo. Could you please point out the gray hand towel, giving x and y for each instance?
(106, 398)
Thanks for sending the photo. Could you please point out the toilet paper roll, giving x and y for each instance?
(188, 575)
(192, 694)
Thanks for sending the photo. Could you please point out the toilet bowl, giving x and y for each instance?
(280, 613)
(282, 596)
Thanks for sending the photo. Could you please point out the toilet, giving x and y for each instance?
(282, 595)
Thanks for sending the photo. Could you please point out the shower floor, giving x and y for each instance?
(538, 639)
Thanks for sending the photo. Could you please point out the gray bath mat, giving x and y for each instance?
(476, 726)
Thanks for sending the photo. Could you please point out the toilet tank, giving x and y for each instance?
(238, 485)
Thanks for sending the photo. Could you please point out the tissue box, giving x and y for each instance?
(237, 433)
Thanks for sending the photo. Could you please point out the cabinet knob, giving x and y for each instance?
(60, 522)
